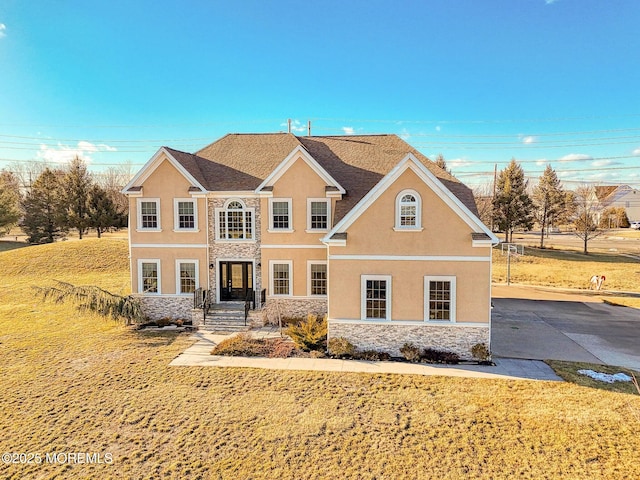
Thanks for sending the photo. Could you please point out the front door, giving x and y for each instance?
(236, 280)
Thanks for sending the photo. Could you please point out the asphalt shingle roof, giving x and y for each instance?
(241, 162)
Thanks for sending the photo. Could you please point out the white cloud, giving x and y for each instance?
(541, 162)
(458, 163)
(404, 134)
(3, 29)
(572, 157)
(64, 153)
(348, 130)
(601, 163)
(438, 128)
(296, 126)
(550, 2)
(636, 151)
(528, 140)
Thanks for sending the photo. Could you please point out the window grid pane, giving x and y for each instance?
(407, 215)
(439, 300)
(280, 212)
(149, 214)
(150, 277)
(186, 215)
(187, 277)
(376, 299)
(318, 279)
(281, 279)
(235, 224)
(319, 215)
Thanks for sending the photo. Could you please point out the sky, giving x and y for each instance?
(479, 81)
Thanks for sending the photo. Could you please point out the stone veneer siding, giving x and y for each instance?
(292, 308)
(158, 307)
(241, 250)
(389, 338)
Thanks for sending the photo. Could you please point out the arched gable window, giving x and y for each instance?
(408, 211)
(235, 221)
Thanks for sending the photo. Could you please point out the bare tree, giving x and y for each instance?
(483, 195)
(585, 222)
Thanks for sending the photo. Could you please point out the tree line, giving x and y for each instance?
(60, 200)
(513, 205)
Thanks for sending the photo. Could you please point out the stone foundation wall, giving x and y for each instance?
(159, 307)
(390, 338)
(292, 308)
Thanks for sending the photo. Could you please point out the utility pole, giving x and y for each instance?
(308, 128)
(495, 177)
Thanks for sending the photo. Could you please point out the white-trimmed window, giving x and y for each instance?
(376, 297)
(186, 276)
(317, 278)
(149, 214)
(185, 214)
(235, 221)
(440, 298)
(149, 276)
(408, 211)
(318, 214)
(280, 214)
(281, 277)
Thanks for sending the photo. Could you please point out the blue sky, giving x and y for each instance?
(480, 81)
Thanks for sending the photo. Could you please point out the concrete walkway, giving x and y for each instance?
(199, 354)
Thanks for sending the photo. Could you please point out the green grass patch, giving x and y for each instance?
(569, 372)
(6, 245)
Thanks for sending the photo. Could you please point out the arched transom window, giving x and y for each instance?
(235, 221)
(408, 211)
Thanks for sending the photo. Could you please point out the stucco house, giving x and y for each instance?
(363, 228)
(623, 196)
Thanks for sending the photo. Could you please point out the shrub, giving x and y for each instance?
(410, 352)
(241, 345)
(163, 322)
(433, 355)
(280, 348)
(317, 354)
(341, 347)
(481, 352)
(373, 355)
(310, 334)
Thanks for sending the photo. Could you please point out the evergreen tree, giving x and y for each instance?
(76, 184)
(9, 202)
(548, 199)
(44, 219)
(102, 211)
(512, 206)
(441, 162)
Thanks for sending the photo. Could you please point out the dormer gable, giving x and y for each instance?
(136, 186)
(332, 188)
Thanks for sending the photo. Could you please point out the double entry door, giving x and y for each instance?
(236, 280)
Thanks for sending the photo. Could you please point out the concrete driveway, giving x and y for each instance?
(537, 323)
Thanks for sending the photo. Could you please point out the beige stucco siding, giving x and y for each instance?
(299, 183)
(168, 267)
(167, 184)
(299, 258)
(444, 232)
(407, 287)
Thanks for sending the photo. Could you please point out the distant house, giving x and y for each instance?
(364, 229)
(620, 196)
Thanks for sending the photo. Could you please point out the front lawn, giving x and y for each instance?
(77, 383)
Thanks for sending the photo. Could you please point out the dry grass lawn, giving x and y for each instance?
(76, 383)
(569, 269)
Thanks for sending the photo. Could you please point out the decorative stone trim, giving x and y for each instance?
(245, 250)
(390, 338)
(292, 308)
(158, 307)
